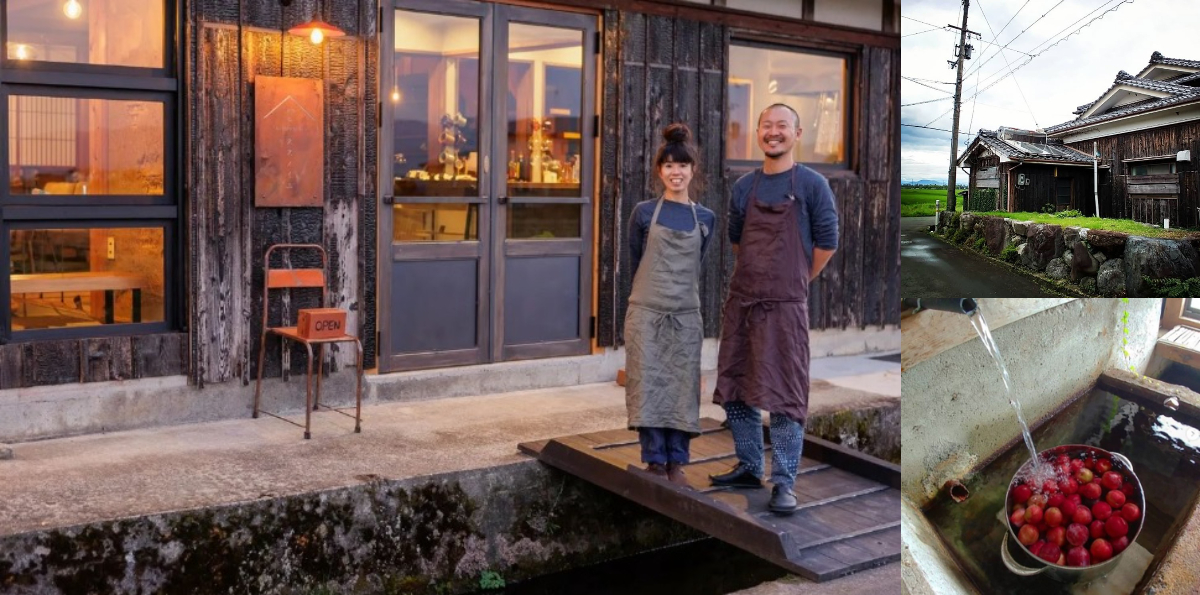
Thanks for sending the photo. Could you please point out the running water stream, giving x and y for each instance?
(989, 342)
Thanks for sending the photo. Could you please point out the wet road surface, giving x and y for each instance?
(932, 268)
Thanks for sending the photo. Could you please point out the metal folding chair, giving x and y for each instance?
(288, 279)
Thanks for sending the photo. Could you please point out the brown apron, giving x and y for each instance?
(763, 358)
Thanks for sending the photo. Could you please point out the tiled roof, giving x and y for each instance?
(1051, 151)
(1177, 93)
(1158, 58)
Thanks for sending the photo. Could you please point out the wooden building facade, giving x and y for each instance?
(447, 245)
(1145, 130)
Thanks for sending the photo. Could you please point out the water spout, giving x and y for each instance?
(957, 491)
(959, 305)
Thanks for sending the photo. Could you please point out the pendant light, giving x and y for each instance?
(72, 9)
(316, 30)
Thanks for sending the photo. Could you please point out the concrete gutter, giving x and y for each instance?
(431, 494)
(956, 414)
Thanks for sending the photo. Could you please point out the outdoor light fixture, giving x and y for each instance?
(316, 30)
(22, 52)
(72, 9)
(396, 95)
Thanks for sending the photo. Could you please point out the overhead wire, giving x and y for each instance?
(979, 3)
(992, 83)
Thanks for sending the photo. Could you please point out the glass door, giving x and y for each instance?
(545, 103)
(487, 152)
(435, 220)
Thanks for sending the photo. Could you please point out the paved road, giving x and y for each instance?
(932, 268)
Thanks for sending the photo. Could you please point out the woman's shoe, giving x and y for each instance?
(656, 469)
(676, 475)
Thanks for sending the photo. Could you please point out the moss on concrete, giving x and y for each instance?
(872, 430)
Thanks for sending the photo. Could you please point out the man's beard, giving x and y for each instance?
(776, 154)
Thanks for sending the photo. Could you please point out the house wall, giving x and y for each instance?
(1116, 197)
(1042, 183)
(659, 69)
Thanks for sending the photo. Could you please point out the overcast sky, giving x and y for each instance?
(1074, 72)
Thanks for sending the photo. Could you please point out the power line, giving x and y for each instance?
(926, 101)
(928, 86)
(925, 31)
(1007, 63)
(938, 129)
(996, 36)
(1020, 34)
(993, 83)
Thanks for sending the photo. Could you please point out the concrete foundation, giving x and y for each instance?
(68, 410)
(427, 499)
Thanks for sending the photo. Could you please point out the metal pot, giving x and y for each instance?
(1030, 565)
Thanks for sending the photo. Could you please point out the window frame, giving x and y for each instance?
(164, 84)
(849, 106)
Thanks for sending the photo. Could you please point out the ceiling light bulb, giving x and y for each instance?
(317, 36)
(72, 9)
(395, 95)
(22, 52)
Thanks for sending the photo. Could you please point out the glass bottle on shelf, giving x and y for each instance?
(514, 168)
(522, 169)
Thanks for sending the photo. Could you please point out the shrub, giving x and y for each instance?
(960, 236)
(1175, 288)
(1049, 208)
(1071, 213)
(980, 244)
(1009, 254)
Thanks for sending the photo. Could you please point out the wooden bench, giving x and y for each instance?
(107, 282)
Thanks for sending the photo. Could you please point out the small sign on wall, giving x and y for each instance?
(289, 142)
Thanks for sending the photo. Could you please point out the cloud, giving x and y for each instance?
(1072, 73)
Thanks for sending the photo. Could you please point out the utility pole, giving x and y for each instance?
(962, 53)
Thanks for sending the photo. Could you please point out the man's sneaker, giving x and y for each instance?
(738, 477)
(783, 502)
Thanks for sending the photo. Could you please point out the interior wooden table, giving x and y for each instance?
(107, 282)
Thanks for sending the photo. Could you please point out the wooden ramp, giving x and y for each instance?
(849, 515)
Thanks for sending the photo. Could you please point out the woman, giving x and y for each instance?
(663, 329)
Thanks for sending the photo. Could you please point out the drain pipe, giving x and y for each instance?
(958, 305)
(957, 491)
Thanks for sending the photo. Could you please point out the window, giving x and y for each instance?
(90, 210)
(1151, 168)
(813, 84)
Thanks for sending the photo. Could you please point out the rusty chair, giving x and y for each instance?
(288, 279)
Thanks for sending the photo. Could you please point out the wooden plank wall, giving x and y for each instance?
(1041, 188)
(228, 235)
(1115, 197)
(660, 69)
(67, 361)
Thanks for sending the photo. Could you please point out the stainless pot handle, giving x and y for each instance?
(1012, 564)
(1124, 460)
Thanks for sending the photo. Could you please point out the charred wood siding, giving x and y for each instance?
(659, 70)
(1118, 197)
(229, 236)
(41, 363)
(1042, 185)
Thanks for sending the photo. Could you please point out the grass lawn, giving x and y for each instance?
(1122, 225)
(918, 202)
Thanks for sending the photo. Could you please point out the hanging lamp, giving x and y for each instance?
(315, 30)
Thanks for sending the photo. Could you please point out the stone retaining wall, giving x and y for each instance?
(1097, 262)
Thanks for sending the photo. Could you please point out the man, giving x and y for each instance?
(783, 227)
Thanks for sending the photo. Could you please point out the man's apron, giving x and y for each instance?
(664, 331)
(763, 358)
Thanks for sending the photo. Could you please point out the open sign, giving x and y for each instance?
(321, 323)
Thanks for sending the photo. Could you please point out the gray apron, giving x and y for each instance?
(664, 331)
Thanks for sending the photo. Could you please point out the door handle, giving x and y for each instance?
(502, 200)
(389, 200)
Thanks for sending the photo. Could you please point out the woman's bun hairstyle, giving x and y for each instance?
(677, 133)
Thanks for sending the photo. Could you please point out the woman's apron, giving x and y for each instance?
(763, 358)
(664, 331)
